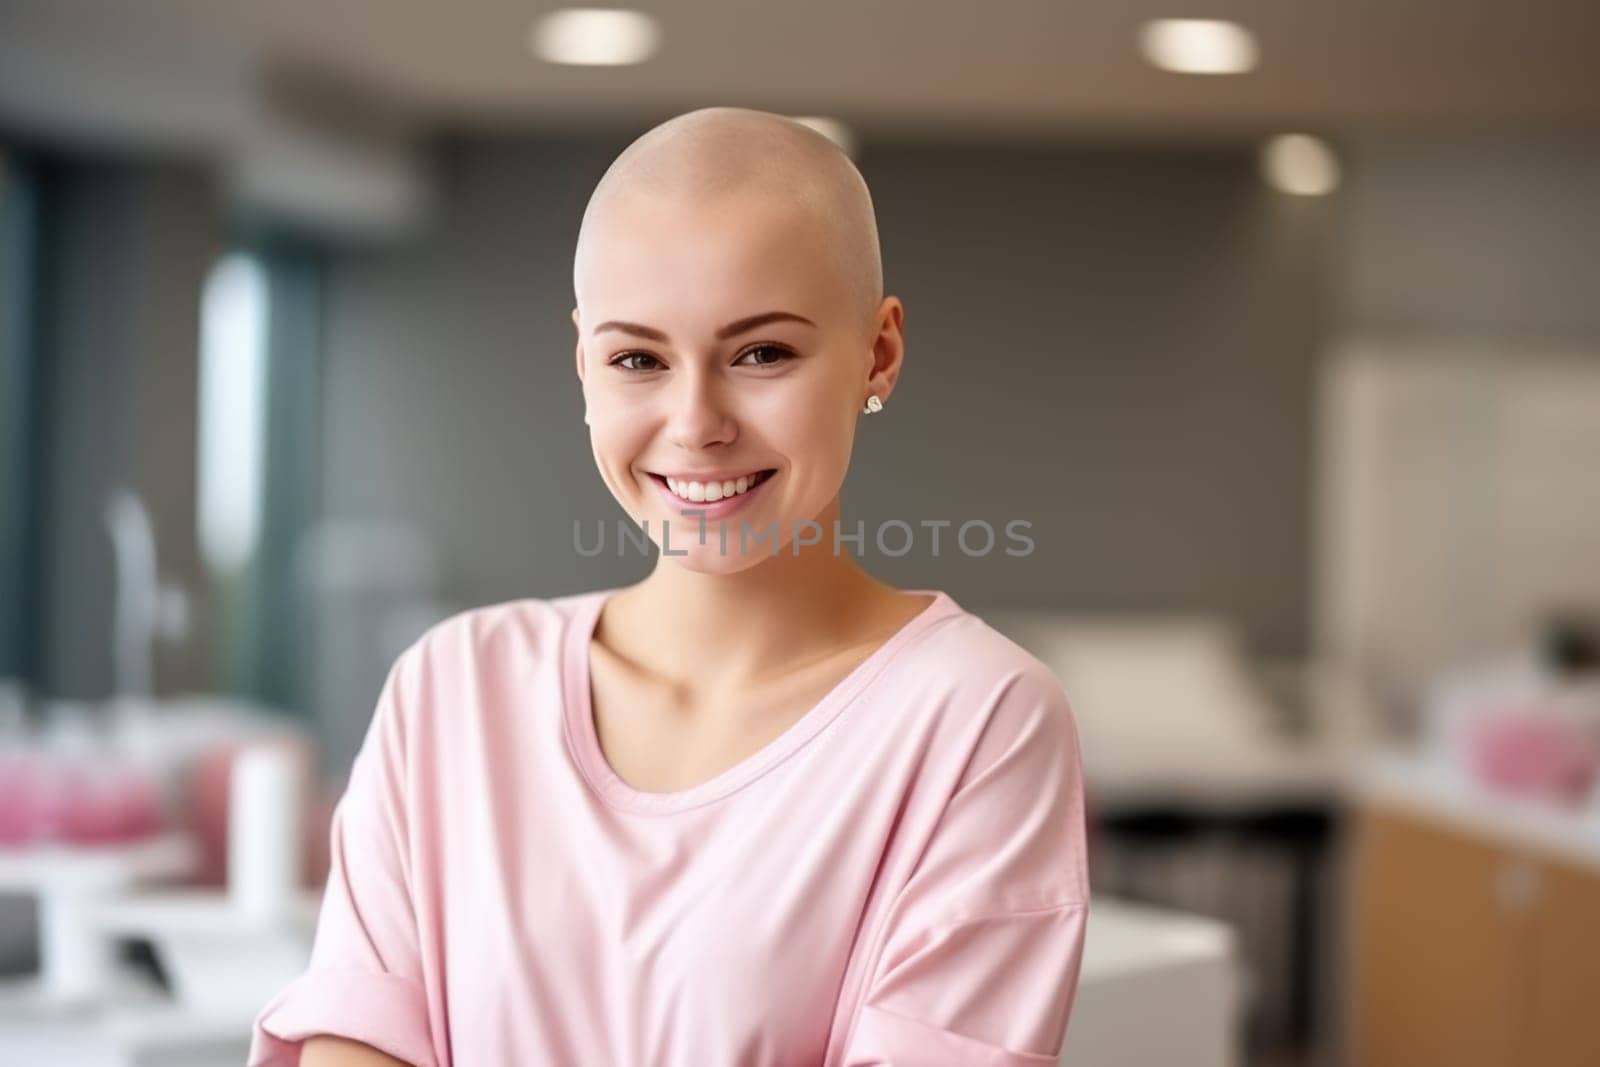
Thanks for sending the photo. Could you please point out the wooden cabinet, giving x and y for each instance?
(1469, 952)
(1563, 1024)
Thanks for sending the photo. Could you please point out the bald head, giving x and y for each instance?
(715, 154)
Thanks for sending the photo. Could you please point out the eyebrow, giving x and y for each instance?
(733, 329)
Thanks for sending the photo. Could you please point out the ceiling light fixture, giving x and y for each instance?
(1300, 164)
(595, 36)
(1198, 46)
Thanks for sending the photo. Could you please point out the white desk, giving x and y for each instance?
(1158, 989)
(71, 882)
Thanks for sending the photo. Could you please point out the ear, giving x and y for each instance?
(578, 353)
(888, 348)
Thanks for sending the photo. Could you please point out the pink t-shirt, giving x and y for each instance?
(898, 879)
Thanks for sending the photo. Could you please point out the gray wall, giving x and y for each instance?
(1477, 238)
(1115, 345)
(128, 248)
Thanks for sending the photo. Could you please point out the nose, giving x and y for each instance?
(699, 414)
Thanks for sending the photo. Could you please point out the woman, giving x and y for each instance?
(758, 808)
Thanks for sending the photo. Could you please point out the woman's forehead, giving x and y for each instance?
(725, 227)
(733, 256)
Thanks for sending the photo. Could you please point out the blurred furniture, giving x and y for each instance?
(218, 965)
(200, 936)
(138, 1026)
(203, 959)
(69, 883)
(86, 1008)
(1157, 989)
(1171, 711)
(1458, 503)
(1476, 925)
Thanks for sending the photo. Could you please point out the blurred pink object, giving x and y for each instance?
(1534, 753)
(106, 804)
(47, 799)
(19, 797)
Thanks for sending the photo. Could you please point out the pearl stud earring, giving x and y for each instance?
(874, 405)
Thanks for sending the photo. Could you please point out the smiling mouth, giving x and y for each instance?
(697, 492)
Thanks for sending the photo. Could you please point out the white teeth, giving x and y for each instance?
(708, 492)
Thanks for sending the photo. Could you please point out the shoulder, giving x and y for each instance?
(509, 641)
(524, 627)
(969, 658)
(987, 693)
(1004, 769)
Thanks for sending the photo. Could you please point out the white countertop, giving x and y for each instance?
(1412, 784)
(103, 868)
(1128, 938)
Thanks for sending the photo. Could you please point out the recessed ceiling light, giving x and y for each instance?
(1300, 164)
(595, 36)
(1198, 46)
(832, 129)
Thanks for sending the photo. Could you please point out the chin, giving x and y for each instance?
(687, 531)
(714, 564)
(710, 559)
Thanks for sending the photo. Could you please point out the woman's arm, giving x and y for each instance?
(327, 1051)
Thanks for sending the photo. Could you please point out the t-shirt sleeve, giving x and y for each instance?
(364, 979)
(980, 961)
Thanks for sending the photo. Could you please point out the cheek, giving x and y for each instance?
(813, 427)
(610, 401)
(617, 444)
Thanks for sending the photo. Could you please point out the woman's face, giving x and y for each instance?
(720, 353)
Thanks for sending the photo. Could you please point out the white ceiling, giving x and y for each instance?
(185, 71)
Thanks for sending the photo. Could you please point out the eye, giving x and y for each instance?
(778, 355)
(622, 361)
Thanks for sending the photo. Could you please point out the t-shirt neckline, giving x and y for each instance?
(584, 743)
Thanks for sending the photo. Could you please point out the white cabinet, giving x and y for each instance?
(1158, 989)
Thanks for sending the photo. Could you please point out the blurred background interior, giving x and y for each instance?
(1282, 331)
